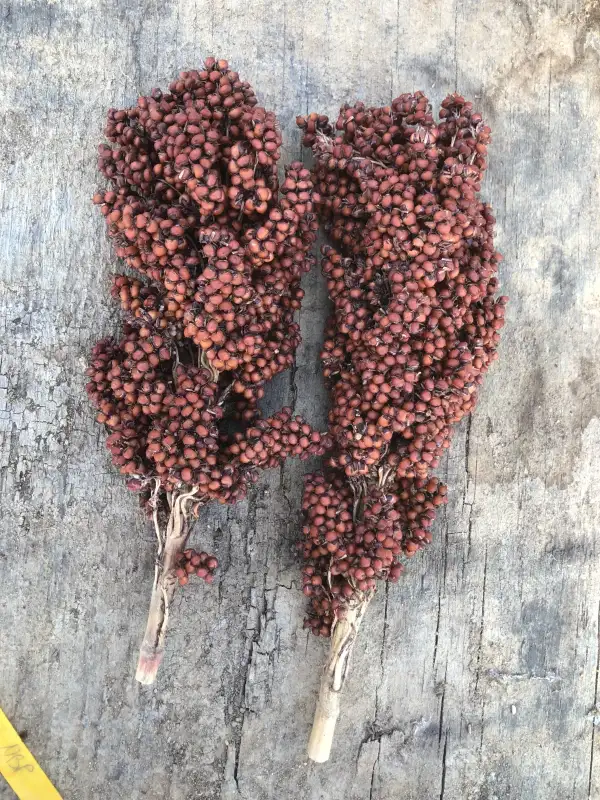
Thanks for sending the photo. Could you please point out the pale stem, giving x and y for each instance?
(327, 711)
(165, 583)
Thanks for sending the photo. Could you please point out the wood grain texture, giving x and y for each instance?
(476, 678)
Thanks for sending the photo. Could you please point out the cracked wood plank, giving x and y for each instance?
(476, 677)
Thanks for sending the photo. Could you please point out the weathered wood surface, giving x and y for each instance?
(477, 676)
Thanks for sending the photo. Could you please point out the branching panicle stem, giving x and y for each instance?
(163, 589)
(343, 636)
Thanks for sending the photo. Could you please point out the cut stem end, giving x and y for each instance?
(327, 711)
(165, 583)
(321, 735)
(148, 664)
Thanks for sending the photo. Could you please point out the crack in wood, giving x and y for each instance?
(443, 778)
(481, 620)
(593, 737)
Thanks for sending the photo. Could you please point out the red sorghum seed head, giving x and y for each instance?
(195, 209)
(415, 325)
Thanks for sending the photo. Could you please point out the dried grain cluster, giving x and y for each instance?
(216, 248)
(415, 325)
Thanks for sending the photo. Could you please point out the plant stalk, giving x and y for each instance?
(327, 711)
(171, 545)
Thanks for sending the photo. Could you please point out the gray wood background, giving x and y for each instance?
(475, 678)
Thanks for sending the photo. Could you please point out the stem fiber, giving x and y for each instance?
(163, 589)
(327, 711)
